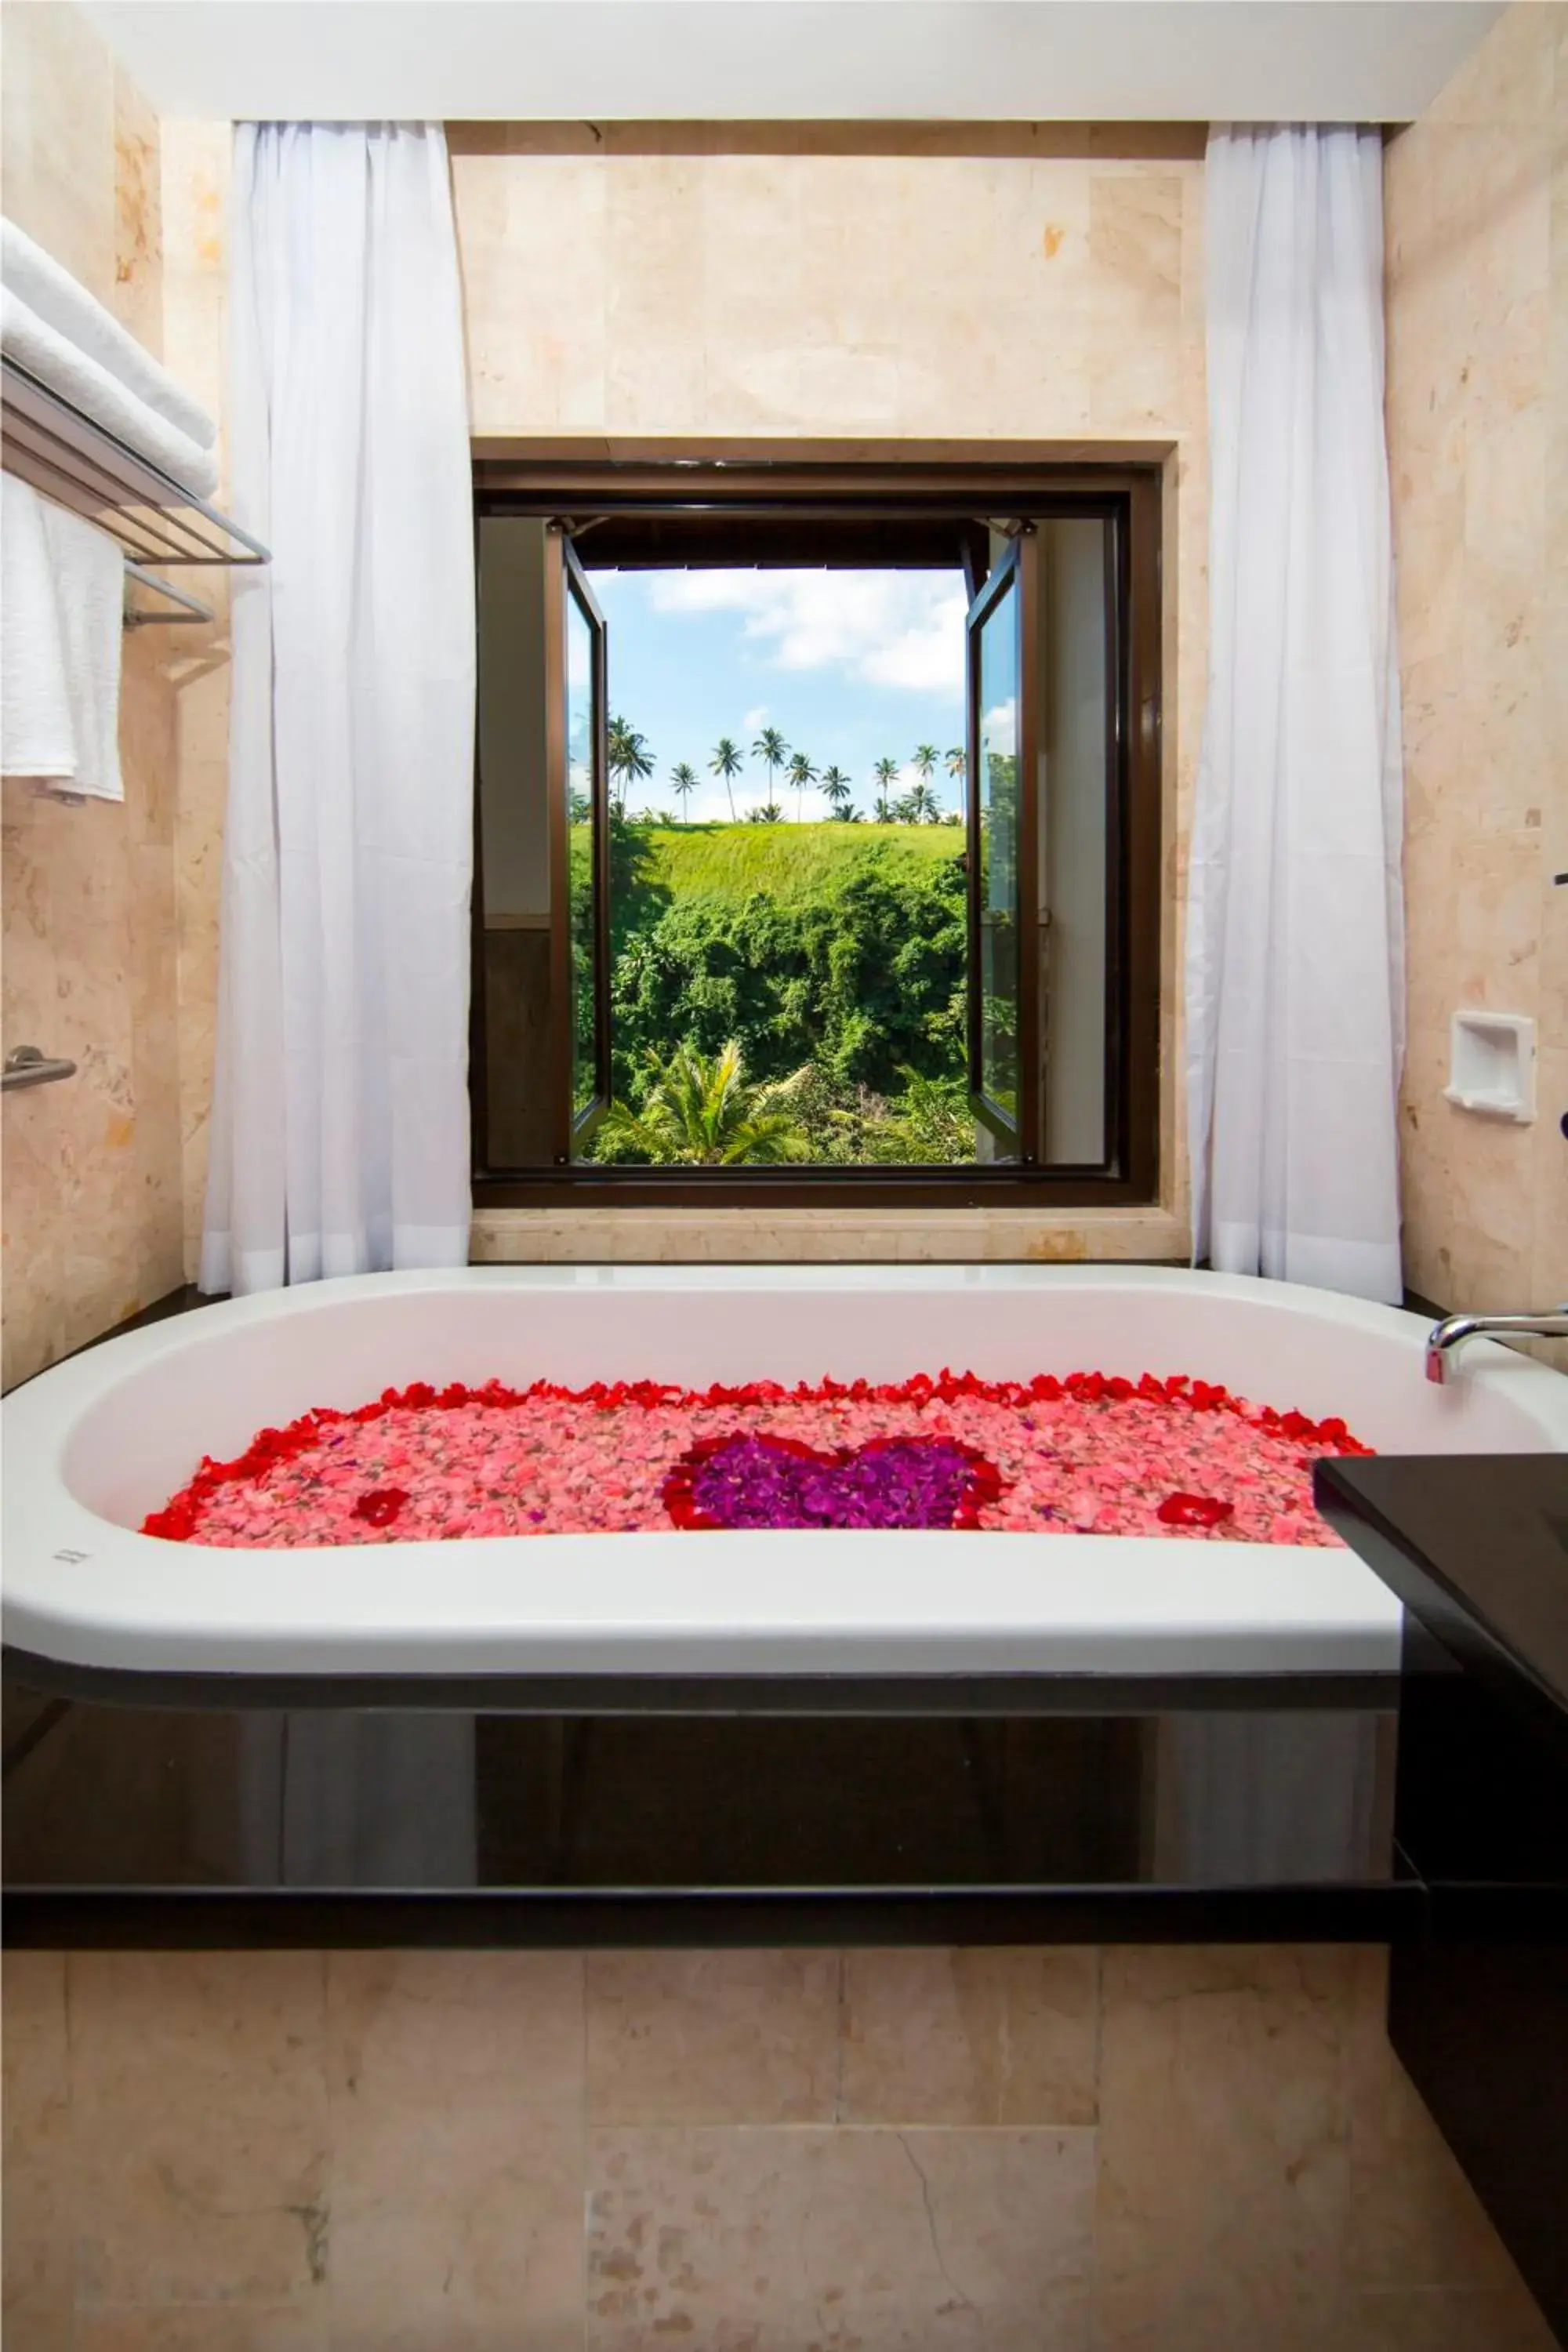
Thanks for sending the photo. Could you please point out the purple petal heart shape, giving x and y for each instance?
(744, 1481)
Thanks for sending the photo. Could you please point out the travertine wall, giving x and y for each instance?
(1477, 420)
(1003, 295)
(1044, 287)
(91, 1167)
(1148, 2150)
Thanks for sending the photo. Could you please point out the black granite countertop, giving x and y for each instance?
(1476, 1546)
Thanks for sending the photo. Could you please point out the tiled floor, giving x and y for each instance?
(1171, 2149)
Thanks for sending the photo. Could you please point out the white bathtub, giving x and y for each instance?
(94, 1444)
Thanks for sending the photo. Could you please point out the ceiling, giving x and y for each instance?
(791, 60)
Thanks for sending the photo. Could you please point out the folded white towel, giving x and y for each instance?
(89, 570)
(37, 737)
(61, 615)
(80, 379)
(52, 295)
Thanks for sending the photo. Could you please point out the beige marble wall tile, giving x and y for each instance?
(971, 2037)
(1135, 242)
(822, 294)
(1483, 898)
(38, 2185)
(91, 1167)
(456, 2099)
(58, 172)
(196, 159)
(907, 2240)
(1476, 199)
(199, 2129)
(713, 2037)
(138, 219)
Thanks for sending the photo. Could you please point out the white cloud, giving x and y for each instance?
(999, 726)
(898, 629)
(754, 721)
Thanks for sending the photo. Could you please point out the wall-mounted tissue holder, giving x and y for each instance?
(1491, 1064)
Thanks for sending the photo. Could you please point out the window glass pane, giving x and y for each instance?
(998, 847)
(580, 750)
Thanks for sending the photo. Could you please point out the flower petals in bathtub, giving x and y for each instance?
(744, 1480)
(1092, 1452)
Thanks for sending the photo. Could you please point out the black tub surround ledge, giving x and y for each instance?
(1476, 1548)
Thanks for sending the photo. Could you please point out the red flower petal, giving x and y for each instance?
(1179, 1510)
(380, 1505)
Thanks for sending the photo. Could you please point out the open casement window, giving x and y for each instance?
(1004, 1049)
(578, 771)
(1003, 978)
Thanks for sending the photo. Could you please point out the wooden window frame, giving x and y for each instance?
(565, 584)
(1017, 576)
(837, 483)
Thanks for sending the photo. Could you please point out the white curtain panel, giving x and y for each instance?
(1295, 941)
(339, 1130)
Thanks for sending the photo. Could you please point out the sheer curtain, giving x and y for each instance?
(340, 1131)
(1295, 946)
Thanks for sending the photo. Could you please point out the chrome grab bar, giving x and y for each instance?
(1446, 1338)
(30, 1066)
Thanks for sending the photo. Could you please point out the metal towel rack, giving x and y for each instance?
(192, 612)
(70, 459)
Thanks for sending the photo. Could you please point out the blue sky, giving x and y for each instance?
(851, 666)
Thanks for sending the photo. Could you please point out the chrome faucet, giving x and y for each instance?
(1446, 1338)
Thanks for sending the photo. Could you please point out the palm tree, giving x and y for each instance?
(801, 774)
(924, 759)
(726, 762)
(957, 765)
(768, 814)
(697, 1110)
(683, 781)
(887, 774)
(772, 751)
(882, 810)
(920, 805)
(629, 756)
(837, 791)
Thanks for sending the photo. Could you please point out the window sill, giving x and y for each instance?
(679, 1236)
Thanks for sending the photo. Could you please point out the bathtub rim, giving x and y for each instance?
(137, 1601)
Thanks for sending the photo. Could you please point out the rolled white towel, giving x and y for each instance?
(52, 295)
(62, 594)
(88, 386)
